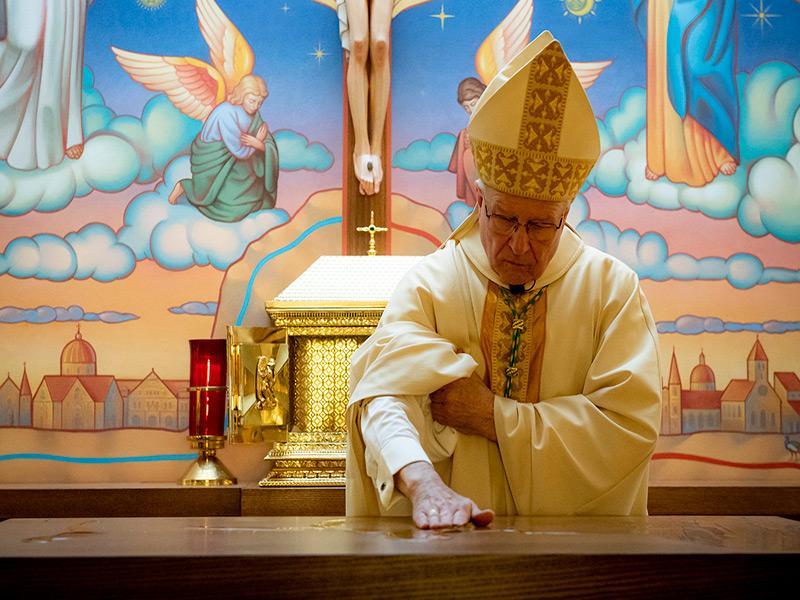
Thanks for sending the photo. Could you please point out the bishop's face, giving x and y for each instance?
(520, 235)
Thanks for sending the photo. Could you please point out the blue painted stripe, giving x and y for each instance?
(97, 460)
(278, 252)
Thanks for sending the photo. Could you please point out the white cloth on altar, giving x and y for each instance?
(584, 448)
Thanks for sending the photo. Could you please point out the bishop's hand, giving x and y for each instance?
(434, 504)
(466, 405)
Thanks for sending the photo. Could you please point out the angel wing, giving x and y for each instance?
(398, 6)
(401, 5)
(230, 53)
(511, 36)
(193, 86)
(588, 72)
(505, 41)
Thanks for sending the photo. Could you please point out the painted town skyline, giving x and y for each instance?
(80, 399)
(749, 405)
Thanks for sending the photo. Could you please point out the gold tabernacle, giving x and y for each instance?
(327, 313)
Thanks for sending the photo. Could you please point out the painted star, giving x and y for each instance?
(285, 8)
(152, 4)
(761, 15)
(318, 53)
(442, 16)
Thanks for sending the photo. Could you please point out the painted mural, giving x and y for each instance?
(168, 165)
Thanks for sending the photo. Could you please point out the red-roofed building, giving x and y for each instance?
(751, 404)
(180, 387)
(25, 400)
(9, 402)
(701, 410)
(89, 402)
(787, 387)
(732, 405)
(155, 403)
(126, 385)
(702, 377)
(757, 362)
(78, 357)
(671, 400)
(763, 405)
(15, 402)
(692, 410)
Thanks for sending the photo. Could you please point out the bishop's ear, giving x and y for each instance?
(479, 192)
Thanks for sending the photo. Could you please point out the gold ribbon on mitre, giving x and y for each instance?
(533, 131)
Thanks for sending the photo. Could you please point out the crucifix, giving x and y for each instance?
(365, 33)
(372, 229)
(366, 186)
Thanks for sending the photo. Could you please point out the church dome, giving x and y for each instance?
(78, 357)
(702, 376)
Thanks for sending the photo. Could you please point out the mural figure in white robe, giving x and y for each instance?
(41, 65)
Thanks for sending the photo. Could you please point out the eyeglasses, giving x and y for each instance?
(537, 231)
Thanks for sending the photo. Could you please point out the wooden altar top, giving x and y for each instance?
(587, 557)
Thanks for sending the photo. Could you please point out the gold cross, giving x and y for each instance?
(372, 230)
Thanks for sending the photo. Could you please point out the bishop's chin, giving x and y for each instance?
(516, 275)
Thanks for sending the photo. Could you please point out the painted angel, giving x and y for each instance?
(234, 158)
(501, 45)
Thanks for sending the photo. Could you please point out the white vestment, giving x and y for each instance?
(583, 447)
(41, 67)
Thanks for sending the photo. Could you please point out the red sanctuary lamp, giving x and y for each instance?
(208, 389)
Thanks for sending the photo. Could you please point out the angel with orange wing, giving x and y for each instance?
(500, 46)
(234, 158)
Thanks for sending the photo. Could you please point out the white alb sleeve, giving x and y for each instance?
(398, 431)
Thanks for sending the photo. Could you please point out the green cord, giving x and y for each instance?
(517, 327)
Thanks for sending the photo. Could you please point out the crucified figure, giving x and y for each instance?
(368, 83)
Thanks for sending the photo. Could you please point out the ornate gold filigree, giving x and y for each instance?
(307, 451)
(285, 480)
(363, 332)
(319, 381)
(317, 437)
(310, 465)
(326, 317)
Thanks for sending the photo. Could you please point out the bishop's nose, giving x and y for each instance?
(519, 241)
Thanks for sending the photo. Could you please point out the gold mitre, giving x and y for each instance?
(533, 132)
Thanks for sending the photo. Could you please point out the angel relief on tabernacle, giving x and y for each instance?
(234, 159)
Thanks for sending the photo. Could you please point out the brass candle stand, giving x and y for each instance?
(208, 469)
